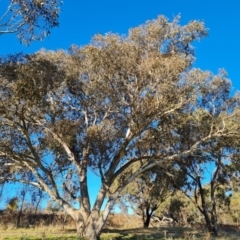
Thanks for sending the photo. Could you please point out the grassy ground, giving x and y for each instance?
(36, 234)
(176, 233)
(167, 233)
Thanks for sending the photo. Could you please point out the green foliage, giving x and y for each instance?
(13, 204)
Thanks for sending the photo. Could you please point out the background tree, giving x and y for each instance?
(52, 206)
(234, 210)
(30, 19)
(104, 107)
(21, 202)
(175, 209)
(180, 208)
(13, 204)
(32, 206)
(36, 198)
(145, 194)
(209, 195)
(213, 159)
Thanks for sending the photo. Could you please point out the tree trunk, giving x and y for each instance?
(147, 221)
(214, 224)
(90, 228)
(211, 226)
(19, 218)
(20, 210)
(89, 232)
(213, 202)
(148, 212)
(210, 222)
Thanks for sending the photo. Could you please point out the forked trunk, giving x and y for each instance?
(90, 232)
(91, 228)
(147, 221)
(212, 229)
(211, 225)
(147, 214)
(211, 222)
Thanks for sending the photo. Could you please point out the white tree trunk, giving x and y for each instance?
(91, 228)
(89, 232)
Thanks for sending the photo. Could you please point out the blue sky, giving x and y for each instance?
(81, 19)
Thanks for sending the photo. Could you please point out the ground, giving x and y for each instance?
(118, 227)
(177, 233)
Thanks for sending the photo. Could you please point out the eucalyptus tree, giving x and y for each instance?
(29, 19)
(103, 108)
(146, 193)
(209, 170)
(208, 188)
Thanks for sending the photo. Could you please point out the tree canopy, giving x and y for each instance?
(106, 106)
(30, 20)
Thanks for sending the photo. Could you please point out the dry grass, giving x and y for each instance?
(167, 233)
(37, 233)
(176, 233)
(118, 227)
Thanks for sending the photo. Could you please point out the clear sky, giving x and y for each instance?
(81, 19)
